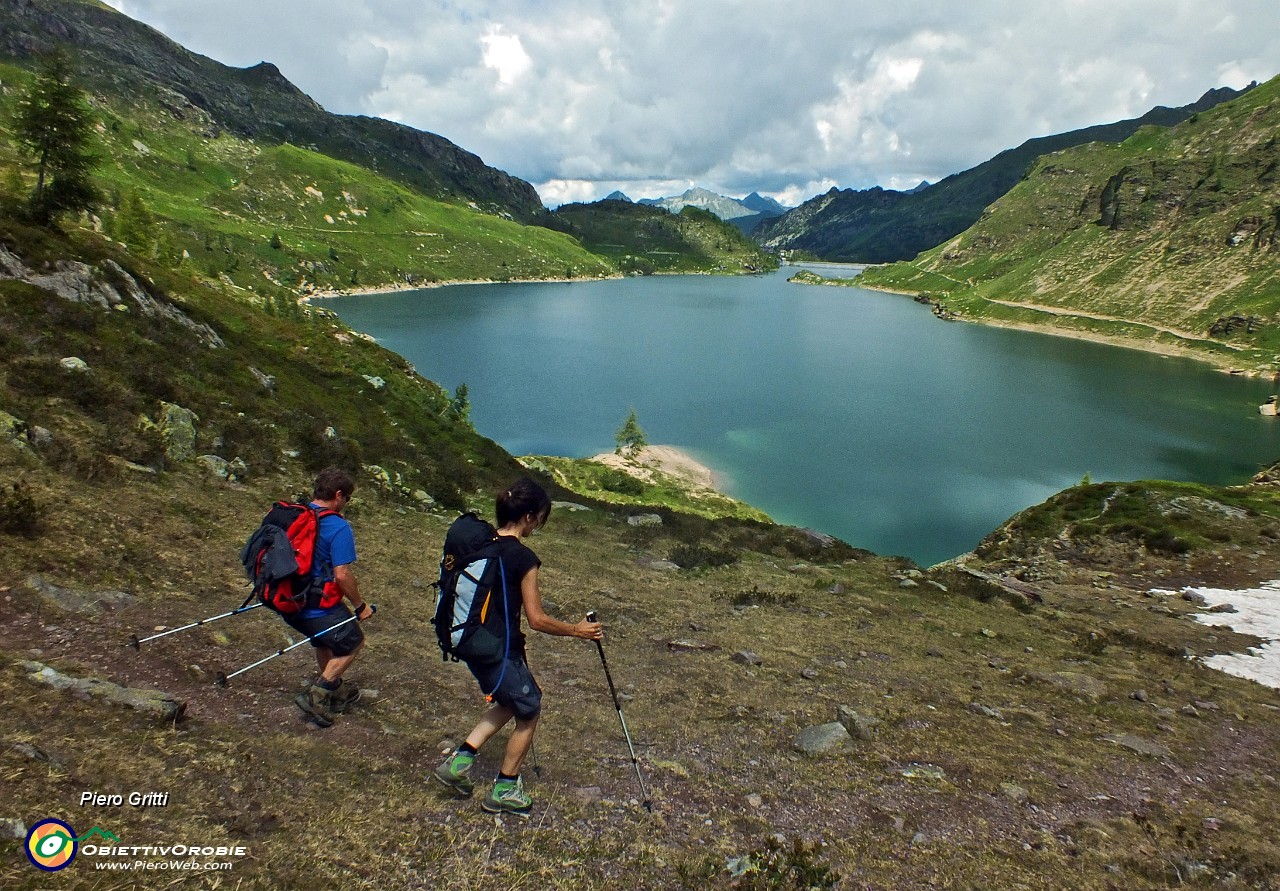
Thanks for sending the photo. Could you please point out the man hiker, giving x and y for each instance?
(335, 552)
(515, 694)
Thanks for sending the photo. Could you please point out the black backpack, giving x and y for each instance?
(471, 604)
(277, 559)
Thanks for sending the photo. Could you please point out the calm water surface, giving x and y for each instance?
(849, 411)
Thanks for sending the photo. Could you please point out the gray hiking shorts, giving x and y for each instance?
(342, 642)
(516, 688)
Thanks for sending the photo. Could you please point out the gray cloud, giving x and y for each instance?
(584, 96)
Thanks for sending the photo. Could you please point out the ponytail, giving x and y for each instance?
(521, 498)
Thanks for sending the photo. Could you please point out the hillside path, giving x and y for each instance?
(1080, 313)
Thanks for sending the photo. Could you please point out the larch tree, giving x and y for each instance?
(53, 126)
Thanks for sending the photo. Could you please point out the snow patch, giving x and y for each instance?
(1257, 613)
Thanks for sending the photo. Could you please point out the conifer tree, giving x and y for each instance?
(53, 127)
(630, 438)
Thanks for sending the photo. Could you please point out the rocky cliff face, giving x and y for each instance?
(119, 56)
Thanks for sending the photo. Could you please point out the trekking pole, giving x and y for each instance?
(137, 644)
(223, 679)
(648, 806)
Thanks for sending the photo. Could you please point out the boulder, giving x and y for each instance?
(162, 705)
(268, 381)
(216, 466)
(86, 602)
(823, 738)
(1071, 682)
(13, 430)
(858, 726)
(1139, 744)
(177, 428)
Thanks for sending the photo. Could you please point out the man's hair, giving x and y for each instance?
(522, 497)
(331, 481)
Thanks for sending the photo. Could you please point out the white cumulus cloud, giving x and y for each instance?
(581, 97)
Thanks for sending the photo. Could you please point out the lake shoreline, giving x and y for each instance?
(1168, 350)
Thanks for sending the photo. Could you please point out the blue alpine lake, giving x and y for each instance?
(848, 411)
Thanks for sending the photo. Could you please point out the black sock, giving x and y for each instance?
(467, 749)
(328, 685)
(508, 777)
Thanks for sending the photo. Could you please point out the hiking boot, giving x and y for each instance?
(508, 797)
(456, 773)
(316, 701)
(341, 699)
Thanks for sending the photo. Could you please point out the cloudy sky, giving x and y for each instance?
(581, 97)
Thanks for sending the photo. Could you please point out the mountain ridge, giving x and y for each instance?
(256, 102)
(878, 225)
(1171, 237)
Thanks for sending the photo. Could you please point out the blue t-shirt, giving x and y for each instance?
(335, 546)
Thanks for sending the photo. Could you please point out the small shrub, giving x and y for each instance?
(778, 865)
(1092, 642)
(1166, 541)
(318, 449)
(621, 483)
(19, 513)
(696, 556)
(756, 597)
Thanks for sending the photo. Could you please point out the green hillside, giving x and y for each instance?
(238, 175)
(124, 58)
(642, 239)
(1166, 241)
(282, 218)
(880, 226)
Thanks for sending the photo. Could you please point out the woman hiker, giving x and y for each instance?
(520, 510)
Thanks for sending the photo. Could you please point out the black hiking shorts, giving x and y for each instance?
(515, 686)
(342, 642)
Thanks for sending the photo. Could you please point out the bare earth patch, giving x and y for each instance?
(664, 459)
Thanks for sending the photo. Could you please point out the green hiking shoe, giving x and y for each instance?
(341, 699)
(316, 702)
(456, 773)
(508, 797)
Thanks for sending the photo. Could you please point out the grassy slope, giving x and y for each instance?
(222, 203)
(1149, 242)
(877, 226)
(993, 765)
(220, 199)
(638, 238)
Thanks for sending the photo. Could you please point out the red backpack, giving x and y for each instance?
(278, 560)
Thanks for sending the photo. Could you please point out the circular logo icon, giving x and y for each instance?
(51, 845)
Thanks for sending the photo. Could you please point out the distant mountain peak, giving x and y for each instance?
(760, 204)
(744, 214)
